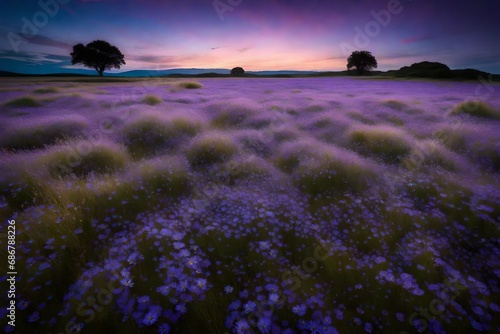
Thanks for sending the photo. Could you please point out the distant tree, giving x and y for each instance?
(361, 60)
(237, 71)
(99, 55)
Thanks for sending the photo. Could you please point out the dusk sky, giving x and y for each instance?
(253, 34)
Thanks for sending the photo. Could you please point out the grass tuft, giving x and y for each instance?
(150, 134)
(41, 133)
(476, 109)
(24, 102)
(83, 158)
(46, 90)
(152, 100)
(190, 85)
(384, 142)
(210, 149)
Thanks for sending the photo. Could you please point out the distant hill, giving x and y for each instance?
(436, 70)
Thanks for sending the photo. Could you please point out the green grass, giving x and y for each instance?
(33, 136)
(476, 109)
(151, 100)
(210, 149)
(166, 174)
(190, 85)
(330, 174)
(83, 158)
(24, 102)
(151, 134)
(46, 90)
(391, 145)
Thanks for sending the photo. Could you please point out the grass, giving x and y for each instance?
(331, 174)
(38, 134)
(167, 174)
(190, 85)
(46, 90)
(83, 158)
(151, 134)
(151, 100)
(395, 104)
(211, 149)
(476, 109)
(24, 102)
(231, 115)
(389, 144)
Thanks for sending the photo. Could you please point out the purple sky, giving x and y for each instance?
(253, 34)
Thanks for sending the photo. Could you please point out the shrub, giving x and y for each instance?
(37, 134)
(210, 149)
(233, 113)
(477, 109)
(151, 100)
(21, 102)
(166, 174)
(292, 154)
(387, 143)
(151, 134)
(83, 158)
(46, 90)
(190, 85)
(395, 104)
(431, 153)
(333, 172)
(237, 71)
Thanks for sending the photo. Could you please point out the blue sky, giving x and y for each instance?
(257, 34)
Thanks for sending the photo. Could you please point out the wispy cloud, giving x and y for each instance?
(417, 38)
(33, 58)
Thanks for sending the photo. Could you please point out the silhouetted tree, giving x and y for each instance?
(99, 55)
(237, 71)
(362, 60)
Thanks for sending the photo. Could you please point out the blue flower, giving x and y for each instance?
(249, 307)
(164, 290)
(264, 325)
(242, 326)
(164, 329)
(152, 316)
(299, 310)
(34, 317)
(228, 289)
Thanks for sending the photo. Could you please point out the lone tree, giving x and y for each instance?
(237, 71)
(99, 55)
(363, 61)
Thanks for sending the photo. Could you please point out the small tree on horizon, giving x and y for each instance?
(363, 61)
(237, 71)
(99, 55)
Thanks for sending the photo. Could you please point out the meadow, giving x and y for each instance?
(251, 205)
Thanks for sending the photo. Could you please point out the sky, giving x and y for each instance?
(37, 36)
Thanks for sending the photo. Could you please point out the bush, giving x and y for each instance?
(166, 174)
(232, 113)
(292, 154)
(237, 71)
(151, 100)
(211, 149)
(83, 158)
(26, 101)
(477, 109)
(151, 134)
(44, 132)
(46, 90)
(331, 173)
(387, 143)
(190, 85)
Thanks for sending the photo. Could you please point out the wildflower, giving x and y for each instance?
(273, 298)
(164, 290)
(249, 307)
(127, 282)
(143, 302)
(201, 283)
(242, 326)
(164, 329)
(271, 287)
(228, 289)
(152, 316)
(264, 325)
(299, 310)
(400, 316)
(368, 327)
(34, 317)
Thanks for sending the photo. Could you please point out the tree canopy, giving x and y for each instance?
(237, 71)
(363, 61)
(99, 55)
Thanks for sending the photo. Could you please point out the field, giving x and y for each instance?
(241, 205)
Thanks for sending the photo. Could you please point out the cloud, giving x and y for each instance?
(244, 49)
(151, 58)
(33, 58)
